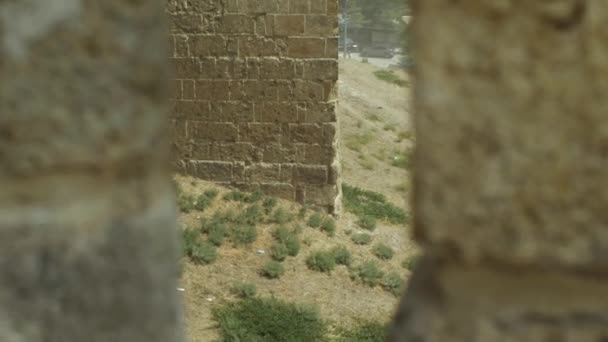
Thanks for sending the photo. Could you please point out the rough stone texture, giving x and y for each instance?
(254, 90)
(87, 239)
(510, 186)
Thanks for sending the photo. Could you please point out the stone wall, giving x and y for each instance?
(88, 244)
(510, 172)
(254, 95)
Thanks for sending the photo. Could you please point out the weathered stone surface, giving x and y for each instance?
(510, 191)
(87, 239)
(250, 78)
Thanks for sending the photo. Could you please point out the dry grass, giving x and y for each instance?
(341, 300)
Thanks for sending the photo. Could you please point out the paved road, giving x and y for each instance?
(379, 62)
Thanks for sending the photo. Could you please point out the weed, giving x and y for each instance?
(366, 163)
(382, 251)
(368, 273)
(342, 255)
(252, 215)
(401, 160)
(272, 269)
(361, 239)
(410, 263)
(403, 187)
(281, 216)
(185, 203)
(368, 203)
(280, 233)
(321, 261)
(243, 234)
(365, 332)
(203, 253)
(315, 220)
(302, 212)
(390, 77)
(356, 142)
(189, 241)
(307, 241)
(269, 204)
(203, 201)
(278, 251)
(373, 117)
(211, 193)
(270, 320)
(393, 283)
(367, 222)
(238, 196)
(404, 135)
(217, 234)
(329, 226)
(390, 127)
(244, 290)
(348, 231)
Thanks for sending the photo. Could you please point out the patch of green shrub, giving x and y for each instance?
(244, 290)
(401, 160)
(292, 243)
(365, 332)
(367, 222)
(315, 220)
(383, 251)
(329, 226)
(410, 262)
(342, 255)
(190, 238)
(362, 239)
(278, 251)
(217, 234)
(204, 201)
(281, 216)
(238, 196)
(203, 253)
(272, 269)
(393, 283)
(269, 320)
(321, 261)
(251, 215)
(390, 77)
(369, 273)
(269, 204)
(243, 234)
(185, 203)
(368, 203)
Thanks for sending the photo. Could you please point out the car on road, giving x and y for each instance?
(377, 51)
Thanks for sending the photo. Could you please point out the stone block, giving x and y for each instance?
(212, 131)
(306, 47)
(276, 112)
(288, 25)
(236, 23)
(213, 170)
(309, 174)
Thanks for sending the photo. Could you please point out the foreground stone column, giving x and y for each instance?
(511, 191)
(87, 239)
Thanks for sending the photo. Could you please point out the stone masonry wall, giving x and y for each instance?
(254, 95)
(510, 188)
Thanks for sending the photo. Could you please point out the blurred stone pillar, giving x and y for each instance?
(88, 247)
(511, 187)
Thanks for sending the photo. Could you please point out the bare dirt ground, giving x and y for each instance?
(341, 300)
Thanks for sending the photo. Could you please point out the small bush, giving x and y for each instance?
(269, 204)
(321, 261)
(211, 193)
(329, 226)
(401, 160)
(281, 216)
(272, 270)
(362, 239)
(342, 255)
(269, 320)
(252, 215)
(367, 222)
(291, 242)
(202, 202)
(404, 135)
(368, 203)
(390, 127)
(383, 251)
(302, 212)
(366, 332)
(390, 77)
(204, 253)
(278, 251)
(369, 273)
(244, 290)
(243, 234)
(238, 196)
(185, 203)
(356, 142)
(315, 220)
(393, 283)
(217, 234)
(410, 263)
(365, 162)
(189, 241)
